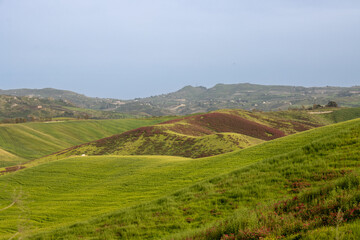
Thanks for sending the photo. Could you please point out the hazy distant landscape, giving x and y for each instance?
(187, 100)
(179, 120)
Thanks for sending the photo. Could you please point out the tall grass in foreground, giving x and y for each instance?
(313, 188)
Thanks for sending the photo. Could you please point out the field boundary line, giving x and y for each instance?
(14, 235)
(8, 206)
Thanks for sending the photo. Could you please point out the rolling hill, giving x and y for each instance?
(246, 96)
(319, 162)
(196, 136)
(189, 99)
(26, 141)
(77, 99)
(14, 109)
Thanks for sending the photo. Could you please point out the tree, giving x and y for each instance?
(316, 106)
(331, 104)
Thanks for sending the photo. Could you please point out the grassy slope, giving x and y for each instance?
(197, 136)
(167, 144)
(336, 115)
(93, 185)
(340, 115)
(34, 140)
(322, 172)
(8, 158)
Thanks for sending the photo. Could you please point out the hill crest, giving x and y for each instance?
(195, 136)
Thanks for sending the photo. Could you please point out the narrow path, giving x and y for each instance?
(323, 112)
(14, 235)
(8, 206)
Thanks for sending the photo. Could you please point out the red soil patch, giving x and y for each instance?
(222, 122)
(11, 169)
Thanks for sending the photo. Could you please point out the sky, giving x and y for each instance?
(137, 48)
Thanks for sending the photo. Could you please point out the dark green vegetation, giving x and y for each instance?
(190, 99)
(198, 135)
(22, 142)
(311, 164)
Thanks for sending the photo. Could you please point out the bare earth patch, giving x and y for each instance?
(325, 112)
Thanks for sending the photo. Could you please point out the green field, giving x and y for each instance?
(33, 140)
(59, 193)
(321, 177)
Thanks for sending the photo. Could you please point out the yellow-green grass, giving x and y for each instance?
(347, 231)
(325, 169)
(8, 158)
(34, 140)
(68, 190)
(171, 144)
(328, 116)
(342, 114)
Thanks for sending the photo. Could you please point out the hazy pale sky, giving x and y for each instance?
(136, 48)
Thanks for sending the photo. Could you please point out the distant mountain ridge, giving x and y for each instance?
(16, 109)
(251, 96)
(191, 99)
(79, 100)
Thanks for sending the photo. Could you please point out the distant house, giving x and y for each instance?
(39, 107)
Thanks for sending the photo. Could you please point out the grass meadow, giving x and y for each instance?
(314, 189)
(206, 198)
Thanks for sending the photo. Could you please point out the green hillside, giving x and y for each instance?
(317, 185)
(34, 140)
(341, 115)
(8, 159)
(198, 135)
(77, 188)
